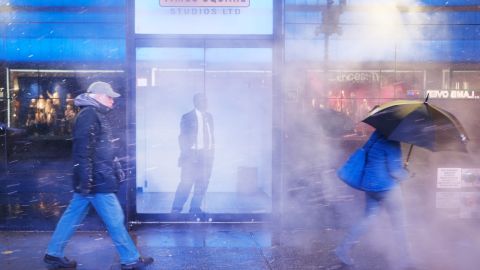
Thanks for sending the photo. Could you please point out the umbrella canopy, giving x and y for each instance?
(418, 123)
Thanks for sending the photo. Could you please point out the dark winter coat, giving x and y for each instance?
(384, 167)
(93, 157)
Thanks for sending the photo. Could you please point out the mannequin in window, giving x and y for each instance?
(41, 103)
(32, 106)
(69, 119)
(30, 123)
(196, 141)
(50, 113)
(69, 99)
(55, 95)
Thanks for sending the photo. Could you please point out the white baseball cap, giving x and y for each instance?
(102, 88)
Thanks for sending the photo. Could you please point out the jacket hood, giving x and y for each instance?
(85, 99)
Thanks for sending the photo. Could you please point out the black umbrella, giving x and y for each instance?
(418, 123)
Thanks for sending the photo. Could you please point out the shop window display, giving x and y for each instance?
(462, 79)
(41, 108)
(347, 96)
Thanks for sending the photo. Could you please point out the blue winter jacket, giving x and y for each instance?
(383, 168)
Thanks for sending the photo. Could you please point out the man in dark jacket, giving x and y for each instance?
(196, 142)
(96, 175)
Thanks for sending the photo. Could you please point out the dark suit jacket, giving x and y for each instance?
(188, 135)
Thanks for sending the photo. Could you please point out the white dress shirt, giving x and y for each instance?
(203, 129)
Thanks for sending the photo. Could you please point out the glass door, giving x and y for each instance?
(237, 83)
(167, 79)
(239, 88)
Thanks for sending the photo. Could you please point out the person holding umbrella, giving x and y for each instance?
(409, 121)
(382, 174)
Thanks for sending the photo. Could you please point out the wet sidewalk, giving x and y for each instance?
(237, 246)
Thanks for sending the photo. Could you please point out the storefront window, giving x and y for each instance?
(42, 105)
(350, 95)
(41, 112)
(342, 85)
(463, 79)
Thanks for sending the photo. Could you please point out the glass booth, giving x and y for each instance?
(238, 86)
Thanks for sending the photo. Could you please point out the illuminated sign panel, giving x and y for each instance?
(204, 3)
(453, 94)
(204, 17)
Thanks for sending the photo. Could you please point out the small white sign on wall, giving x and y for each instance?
(449, 178)
(447, 200)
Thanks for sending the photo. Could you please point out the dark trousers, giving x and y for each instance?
(196, 172)
(393, 202)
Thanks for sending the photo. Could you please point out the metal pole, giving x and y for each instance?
(8, 97)
(325, 56)
(204, 67)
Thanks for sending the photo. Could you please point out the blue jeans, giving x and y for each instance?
(109, 210)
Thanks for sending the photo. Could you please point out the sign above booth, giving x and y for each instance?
(355, 77)
(204, 17)
(453, 94)
(205, 3)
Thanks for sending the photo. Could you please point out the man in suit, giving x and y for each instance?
(196, 142)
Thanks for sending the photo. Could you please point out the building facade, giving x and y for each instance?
(288, 83)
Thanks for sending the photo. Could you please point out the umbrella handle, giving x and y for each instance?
(408, 156)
